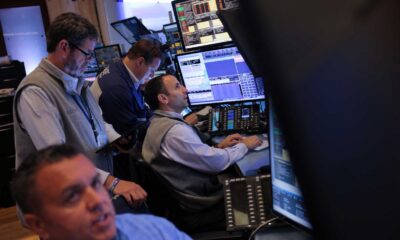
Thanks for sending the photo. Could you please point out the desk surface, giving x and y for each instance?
(252, 161)
(282, 233)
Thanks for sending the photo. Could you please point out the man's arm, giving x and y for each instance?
(40, 118)
(42, 121)
(182, 144)
(134, 194)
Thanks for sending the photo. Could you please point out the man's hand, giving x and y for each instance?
(134, 194)
(191, 119)
(251, 142)
(230, 140)
(124, 144)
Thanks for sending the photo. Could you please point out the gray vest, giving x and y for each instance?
(77, 128)
(195, 190)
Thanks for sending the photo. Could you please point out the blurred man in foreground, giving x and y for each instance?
(66, 200)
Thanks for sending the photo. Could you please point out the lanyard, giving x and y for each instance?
(80, 100)
(84, 106)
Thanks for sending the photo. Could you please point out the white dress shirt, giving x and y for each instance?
(183, 145)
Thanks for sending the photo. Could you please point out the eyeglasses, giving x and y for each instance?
(88, 55)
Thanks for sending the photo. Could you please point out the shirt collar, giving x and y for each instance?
(71, 84)
(168, 114)
(134, 79)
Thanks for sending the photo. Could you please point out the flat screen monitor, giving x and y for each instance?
(287, 200)
(92, 67)
(106, 55)
(242, 33)
(199, 24)
(160, 36)
(218, 76)
(132, 29)
(173, 38)
(227, 4)
(89, 76)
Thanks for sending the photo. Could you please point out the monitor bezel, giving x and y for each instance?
(170, 24)
(180, 36)
(243, 37)
(212, 48)
(186, 48)
(107, 46)
(126, 20)
(281, 216)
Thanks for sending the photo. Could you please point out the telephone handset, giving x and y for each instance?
(247, 201)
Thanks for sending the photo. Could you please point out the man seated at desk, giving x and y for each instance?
(175, 151)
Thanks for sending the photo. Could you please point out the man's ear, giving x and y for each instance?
(63, 45)
(63, 48)
(162, 98)
(141, 61)
(36, 225)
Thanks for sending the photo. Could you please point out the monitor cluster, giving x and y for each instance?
(218, 76)
(209, 65)
(199, 24)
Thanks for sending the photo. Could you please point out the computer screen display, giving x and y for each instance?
(287, 198)
(132, 29)
(218, 76)
(106, 55)
(92, 66)
(199, 24)
(173, 38)
(227, 4)
(89, 76)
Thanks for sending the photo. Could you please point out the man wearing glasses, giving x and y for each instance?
(53, 104)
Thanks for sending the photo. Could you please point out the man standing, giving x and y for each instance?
(117, 88)
(175, 150)
(66, 200)
(54, 105)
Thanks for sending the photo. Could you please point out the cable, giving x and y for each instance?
(267, 223)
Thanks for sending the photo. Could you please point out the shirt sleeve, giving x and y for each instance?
(144, 226)
(103, 175)
(183, 145)
(41, 119)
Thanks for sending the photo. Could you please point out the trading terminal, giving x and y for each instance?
(233, 86)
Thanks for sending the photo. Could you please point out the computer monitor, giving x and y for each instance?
(92, 67)
(106, 55)
(334, 78)
(244, 37)
(227, 4)
(89, 76)
(132, 29)
(218, 76)
(173, 38)
(287, 199)
(159, 36)
(199, 24)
